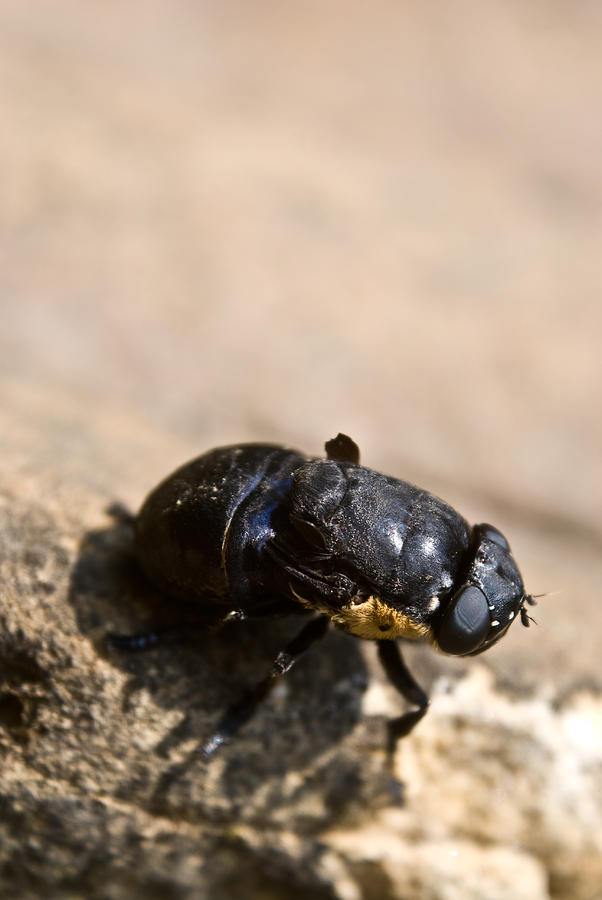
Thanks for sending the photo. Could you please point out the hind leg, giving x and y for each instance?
(147, 640)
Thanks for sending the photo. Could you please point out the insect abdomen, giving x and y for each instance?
(194, 530)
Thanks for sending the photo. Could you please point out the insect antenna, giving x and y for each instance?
(531, 600)
(525, 618)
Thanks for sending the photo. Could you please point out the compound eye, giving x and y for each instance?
(465, 623)
(492, 534)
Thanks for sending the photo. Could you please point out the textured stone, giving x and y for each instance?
(102, 795)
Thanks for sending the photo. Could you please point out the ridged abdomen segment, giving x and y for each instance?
(186, 524)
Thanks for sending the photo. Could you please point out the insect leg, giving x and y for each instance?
(342, 448)
(135, 642)
(150, 639)
(240, 713)
(120, 514)
(401, 678)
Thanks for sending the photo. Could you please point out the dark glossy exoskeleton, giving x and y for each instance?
(258, 529)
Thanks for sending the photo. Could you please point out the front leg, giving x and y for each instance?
(402, 679)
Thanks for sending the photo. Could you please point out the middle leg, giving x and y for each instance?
(240, 713)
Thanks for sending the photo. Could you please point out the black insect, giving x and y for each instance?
(258, 530)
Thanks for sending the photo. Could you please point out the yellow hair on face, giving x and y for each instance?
(374, 620)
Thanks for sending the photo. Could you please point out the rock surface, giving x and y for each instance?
(228, 222)
(495, 795)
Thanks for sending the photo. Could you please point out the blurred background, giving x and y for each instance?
(253, 220)
(224, 222)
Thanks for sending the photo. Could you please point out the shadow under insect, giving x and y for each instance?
(208, 670)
